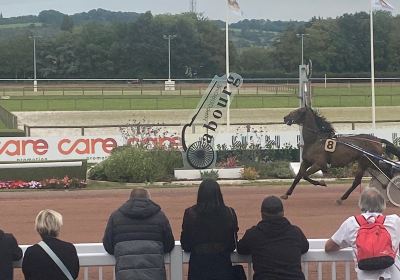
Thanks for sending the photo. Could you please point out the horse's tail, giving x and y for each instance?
(391, 148)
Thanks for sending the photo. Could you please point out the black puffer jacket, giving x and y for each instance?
(276, 247)
(9, 252)
(139, 230)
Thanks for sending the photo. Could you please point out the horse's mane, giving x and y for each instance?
(323, 125)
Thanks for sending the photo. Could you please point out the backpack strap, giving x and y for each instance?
(361, 220)
(380, 219)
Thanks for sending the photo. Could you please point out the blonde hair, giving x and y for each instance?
(48, 223)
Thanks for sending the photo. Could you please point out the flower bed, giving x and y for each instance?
(52, 183)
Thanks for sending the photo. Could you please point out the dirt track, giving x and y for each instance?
(86, 211)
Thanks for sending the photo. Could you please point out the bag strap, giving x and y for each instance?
(56, 259)
(361, 220)
(235, 237)
(380, 219)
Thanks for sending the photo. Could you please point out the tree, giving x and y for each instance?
(67, 23)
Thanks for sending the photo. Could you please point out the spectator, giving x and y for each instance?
(138, 234)
(9, 252)
(274, 244)
(208, 231)
(371, 204)
(37, 263)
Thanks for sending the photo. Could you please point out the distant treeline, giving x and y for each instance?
(104, 44)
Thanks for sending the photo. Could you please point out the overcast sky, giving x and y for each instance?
(214, 9)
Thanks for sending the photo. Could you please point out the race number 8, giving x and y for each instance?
(330, 145)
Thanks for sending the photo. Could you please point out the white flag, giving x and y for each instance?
(234, 5)
(382, 5)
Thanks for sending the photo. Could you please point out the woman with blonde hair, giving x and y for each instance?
(52, 258)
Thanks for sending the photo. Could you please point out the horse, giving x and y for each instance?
(316, 130)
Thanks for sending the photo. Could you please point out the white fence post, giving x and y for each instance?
(176, 263)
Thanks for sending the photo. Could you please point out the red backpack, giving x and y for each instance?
(374, 244)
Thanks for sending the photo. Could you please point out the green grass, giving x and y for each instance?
(74, 99)
(95, 103)
(19, 25)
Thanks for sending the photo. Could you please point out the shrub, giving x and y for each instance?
(137, 164)
(250, 154)
(342, 172)
(212, 174)
(97, 172)
(249, 173)
(229, 162)
(275, 169)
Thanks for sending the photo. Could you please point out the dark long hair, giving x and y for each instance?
(209, 197)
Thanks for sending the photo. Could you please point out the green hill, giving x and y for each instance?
(245, 33)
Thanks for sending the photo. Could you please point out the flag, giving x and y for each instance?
(382, 5)
(234, 5)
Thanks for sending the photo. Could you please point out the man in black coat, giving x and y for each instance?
(9, 252)
(138, 234)
(274, 244)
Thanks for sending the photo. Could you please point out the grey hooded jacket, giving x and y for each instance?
(138, 234)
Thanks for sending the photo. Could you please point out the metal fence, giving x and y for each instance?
(316, 264)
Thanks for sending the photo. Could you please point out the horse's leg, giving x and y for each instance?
(300, 174)
(314, 182)
(303, 170)
(356, 182)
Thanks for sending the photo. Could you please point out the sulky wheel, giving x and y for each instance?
(393, 190)
(200, 155)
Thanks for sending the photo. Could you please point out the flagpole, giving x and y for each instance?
(227, 65)
(372, 65)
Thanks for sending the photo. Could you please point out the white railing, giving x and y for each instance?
(94, 255)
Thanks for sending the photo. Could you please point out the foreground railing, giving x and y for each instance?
(316, 263)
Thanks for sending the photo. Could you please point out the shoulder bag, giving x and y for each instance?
(237, 269)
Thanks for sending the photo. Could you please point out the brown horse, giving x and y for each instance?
(316, 130)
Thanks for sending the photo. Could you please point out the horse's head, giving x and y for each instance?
(297, 116)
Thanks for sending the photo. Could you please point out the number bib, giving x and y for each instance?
(330, 145)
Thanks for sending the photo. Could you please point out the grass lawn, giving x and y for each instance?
(74, 99)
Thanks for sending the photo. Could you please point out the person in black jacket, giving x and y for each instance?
(9, 252)
(274, 244)
(37, 264)
(138, 234)
(208, 231)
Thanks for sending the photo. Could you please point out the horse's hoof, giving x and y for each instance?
(322, 183)
(284, 196)
(339, 202)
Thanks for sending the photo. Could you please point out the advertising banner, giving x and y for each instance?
(96, 149)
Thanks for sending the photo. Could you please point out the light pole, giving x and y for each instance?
(169, 38)
(302, 45)
(34, 62)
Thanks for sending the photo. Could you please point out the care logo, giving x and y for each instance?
(22, 147)
(85, 146)
(33, 147)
